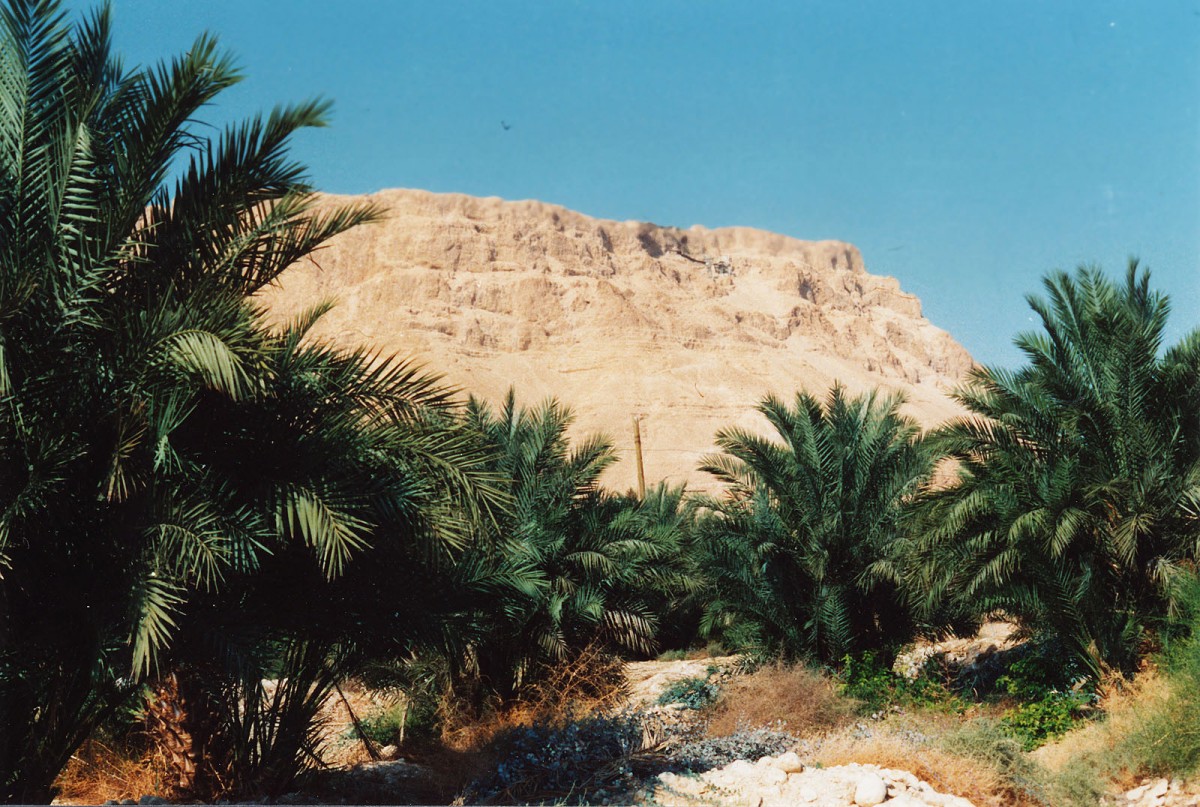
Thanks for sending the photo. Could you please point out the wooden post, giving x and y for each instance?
(637, 444)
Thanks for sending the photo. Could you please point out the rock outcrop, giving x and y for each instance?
(686, 328)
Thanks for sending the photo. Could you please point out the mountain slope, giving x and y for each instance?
(687, 328)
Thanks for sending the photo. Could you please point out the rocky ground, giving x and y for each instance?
(992, 639)
(781, 778)
(1160, 793)
(673, 762)
(786, 780)
(648, 680)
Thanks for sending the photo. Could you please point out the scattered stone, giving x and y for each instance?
(871, 790)
(790, 762)
(959, 654)
(907, 800)
(740, 767)
(1160, 793)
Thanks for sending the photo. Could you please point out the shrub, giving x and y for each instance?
(578, 762)
(1042, 720)
(692, 693)
(407, 720)
(1016, 778)
(109, 768)
(1148, 728)
(1053, 690)
(1044, 667)
(383, 728)
(1167, 741)
(865, 678)
(745, 742)
(593, 682)
(798, 698)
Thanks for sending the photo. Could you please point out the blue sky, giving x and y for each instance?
(965, 148)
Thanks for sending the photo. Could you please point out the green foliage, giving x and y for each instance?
(1078, 476)
(673, 655)
(575, 565)
(1049, 717)
(1044, 669)
(1154, 735)
(183, 489)
(384, 727)
(866, 679)
(800, 551)
(407, 721)
(693, 693)
(1052, 692)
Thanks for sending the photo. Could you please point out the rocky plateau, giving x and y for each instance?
(684, 328)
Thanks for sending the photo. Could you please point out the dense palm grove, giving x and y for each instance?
(193, 502)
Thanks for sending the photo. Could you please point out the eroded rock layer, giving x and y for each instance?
(686, 328)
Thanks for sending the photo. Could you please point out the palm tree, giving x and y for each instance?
(799, 547)
(338, 440)
(1076, 500)
(581, 564)
(673, 585)
(160, 447)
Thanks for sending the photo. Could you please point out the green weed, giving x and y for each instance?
(693, 693)
(865, 679)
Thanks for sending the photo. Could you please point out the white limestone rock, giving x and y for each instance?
(871, 790)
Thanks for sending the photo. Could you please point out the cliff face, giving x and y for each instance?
(688, 328)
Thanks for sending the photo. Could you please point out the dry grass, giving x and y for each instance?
(801, 699)
(592, 682)
(1125, 708)
(988, 769)
(963, 775)
(1149, 728)
(100, 772)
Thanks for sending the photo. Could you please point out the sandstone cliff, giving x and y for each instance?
(687, 328)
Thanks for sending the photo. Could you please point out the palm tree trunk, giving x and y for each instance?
(183, 722)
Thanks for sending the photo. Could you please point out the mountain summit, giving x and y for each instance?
(686, 328)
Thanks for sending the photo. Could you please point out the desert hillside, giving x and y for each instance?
(686, 328)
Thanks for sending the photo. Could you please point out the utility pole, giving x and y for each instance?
(637, 444)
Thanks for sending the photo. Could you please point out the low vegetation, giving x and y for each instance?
(793, 697)
(209, 522)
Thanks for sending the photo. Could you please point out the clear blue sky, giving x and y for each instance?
(966, 148)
